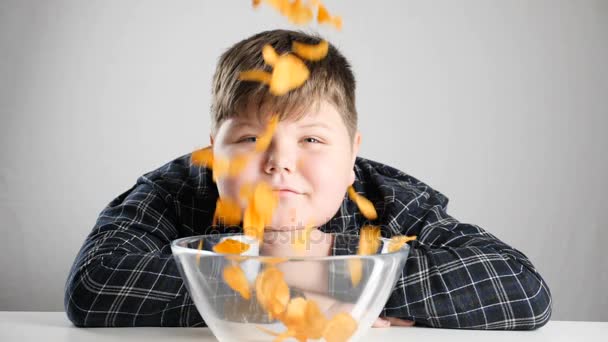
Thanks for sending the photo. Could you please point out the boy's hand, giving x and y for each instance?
(385, 322)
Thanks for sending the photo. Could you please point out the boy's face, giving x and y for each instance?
(313, 156)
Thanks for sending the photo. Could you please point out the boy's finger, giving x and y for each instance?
(381, 323)
(398, 322)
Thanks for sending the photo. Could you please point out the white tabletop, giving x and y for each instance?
(55, 326)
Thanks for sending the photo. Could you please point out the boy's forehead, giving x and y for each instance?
(318, 112)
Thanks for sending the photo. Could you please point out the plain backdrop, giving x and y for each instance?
(500, 105)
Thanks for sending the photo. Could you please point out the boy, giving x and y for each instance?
(458, 275)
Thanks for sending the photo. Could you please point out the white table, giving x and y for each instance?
(55, 326)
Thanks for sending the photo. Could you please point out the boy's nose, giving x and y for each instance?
(279, 159)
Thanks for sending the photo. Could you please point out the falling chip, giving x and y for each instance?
(231, 246)
(365, 206)
(266, 137)
(397, 242)
(289, 73)
(340, 328)
(235, 278)
(310, 52)
(202, 157)
(227, 211)
(270, 55)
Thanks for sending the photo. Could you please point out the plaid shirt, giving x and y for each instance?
(457, 275)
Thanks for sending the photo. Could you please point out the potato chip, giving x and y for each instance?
(237, 165)
(227, 211)
(369, 240)
(256, 76)
(235, 278)
(253, 224)
(315, 321)
(265, 201)
(340, 328)
(231, 246)
(365, 206)
(355, 269)
(198, 255)
(266, 137)
(220, 168)
(270, 55)
(303, 237)
(298, 14)
(256, 3)
(323, 17)
(310, 52)
(202, 157)
(272, 291)
(295, 313)
(398, 241)
(289, 73)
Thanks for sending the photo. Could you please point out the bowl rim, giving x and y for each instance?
(175, 247)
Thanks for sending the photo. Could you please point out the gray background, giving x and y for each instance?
(500, 105)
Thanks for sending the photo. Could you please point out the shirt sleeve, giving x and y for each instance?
(124, 275)
(460, 276)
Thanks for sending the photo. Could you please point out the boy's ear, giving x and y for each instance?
(356, 145)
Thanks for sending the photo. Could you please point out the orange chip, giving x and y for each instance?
(265, 201)
(369, 240)
(256, 3)
(323, 17)
(227, 211)
(198, 256)
(303, 237)
(253, 224)
(298, 13)
(340, 328)
(272, 291)
(315, 321)
(289, 73)
(355, 269)
(256, 76)
(311, 52)
(266, 137)
(398, 241)
(238, 164)
(270, 55)
(365, 206)
(221, 166)
(202, 157)
(235, 278)
(337, 22)
(295, 313)
(246, 192)
(230, 246)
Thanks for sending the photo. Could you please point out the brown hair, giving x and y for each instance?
(331, 79)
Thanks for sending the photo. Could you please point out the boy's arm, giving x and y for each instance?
(124, 274)
(459, 276)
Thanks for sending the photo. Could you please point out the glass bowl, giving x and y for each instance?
(343, 283)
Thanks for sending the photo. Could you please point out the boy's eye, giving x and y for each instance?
(248, 139)
(312, 140)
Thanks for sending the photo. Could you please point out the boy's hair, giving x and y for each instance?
(331, 79)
